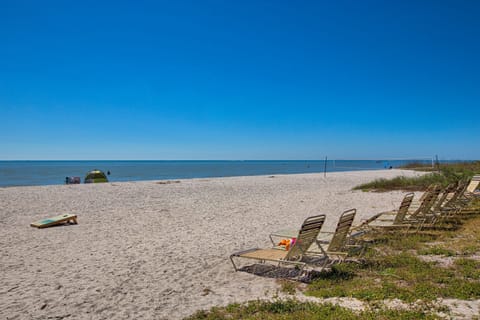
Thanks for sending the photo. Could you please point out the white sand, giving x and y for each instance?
(157, 251)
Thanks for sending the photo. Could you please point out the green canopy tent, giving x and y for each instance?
(95, 176)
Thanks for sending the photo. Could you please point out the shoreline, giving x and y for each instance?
(34, 173)
(214, 177)
(142, 248)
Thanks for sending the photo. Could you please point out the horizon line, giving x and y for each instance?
(328, 159)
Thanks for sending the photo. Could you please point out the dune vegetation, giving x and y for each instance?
(442, 174)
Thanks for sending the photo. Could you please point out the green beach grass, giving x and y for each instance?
(443, 175)
(294, 310)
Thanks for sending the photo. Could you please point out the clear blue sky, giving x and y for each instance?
(239, 79)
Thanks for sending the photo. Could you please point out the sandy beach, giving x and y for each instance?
(156, 250)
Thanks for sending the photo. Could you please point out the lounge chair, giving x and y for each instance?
(295, 255)
(337, 248)
(454, 201)
(474, 183)
(403, 220)
(417, 218)
(445, 211)
(329, 246)
(457, 207)
(387, 221)
(437, 213)
(395, 217)
(417, 202)
(470, 190)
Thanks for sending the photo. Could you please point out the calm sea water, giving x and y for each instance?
(30, 173)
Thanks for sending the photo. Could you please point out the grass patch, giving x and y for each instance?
(444, 175)
(392, 270)
(409, 242)
(436, 251)
(461, 166)
(392, 242)
(293, 310)
(288, 287)
(467, 240)
(468, 250)
(469, 268)
(402, 276)
(404, 183)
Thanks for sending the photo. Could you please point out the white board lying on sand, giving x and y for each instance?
(53, 221)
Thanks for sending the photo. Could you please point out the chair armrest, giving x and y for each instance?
(281, 234)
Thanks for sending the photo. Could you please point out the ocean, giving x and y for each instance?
(34, 173)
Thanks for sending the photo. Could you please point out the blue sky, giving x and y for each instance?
(239, 79)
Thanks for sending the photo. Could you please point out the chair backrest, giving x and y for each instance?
(473, 185)
(306, 236)
(461, 187)
(442, 198)
(365, 224)
(428, 201)
(429, 189)
(459, 191)
(343, 228)
(402, 211)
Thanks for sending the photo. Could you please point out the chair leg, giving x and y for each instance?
(301, 273)
(234, 266)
